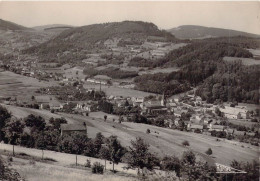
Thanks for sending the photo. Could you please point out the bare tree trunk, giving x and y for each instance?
(13, 150)
(105, 164)
(113, 167)
(76, 160)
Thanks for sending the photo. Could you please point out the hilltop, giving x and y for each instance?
(7, 25)
(92, 37)
(52, 27)
(195, 32)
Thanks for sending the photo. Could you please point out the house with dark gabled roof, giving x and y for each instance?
(73, 128)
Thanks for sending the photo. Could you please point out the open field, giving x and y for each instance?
(255, 52)
(63, 160)
(100, 115)
(245, 61)
(74, 72)
(165, 141)
(117, 91)
(159, 70)
(22, 87)
(246, 123)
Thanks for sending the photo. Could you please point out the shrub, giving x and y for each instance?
(197, 131)
(97, 168)
(185, 143)
(10, 159)
(209, 151)
(148, 131)
(88, 163)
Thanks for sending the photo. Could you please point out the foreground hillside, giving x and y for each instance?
(163, 141)
(196, 32)
(54, 168)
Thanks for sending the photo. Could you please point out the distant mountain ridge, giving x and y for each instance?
(199, 32)
(7, 25)
(52, 26)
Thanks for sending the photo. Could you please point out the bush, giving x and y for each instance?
(197, 131)
(88, 163)
(10, 159)
(97, 168)
(185, 143)
(209, 151)
(148, 131)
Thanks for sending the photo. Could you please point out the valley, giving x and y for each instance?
(128, 94)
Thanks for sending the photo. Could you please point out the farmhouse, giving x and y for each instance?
(73, 128)
(216, 127)
(193, 127)
(235, 112)
(56, 106)
(137, 101)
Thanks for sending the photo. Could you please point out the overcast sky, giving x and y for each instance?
(235, 15)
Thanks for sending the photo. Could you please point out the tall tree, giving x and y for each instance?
(116, 151)
(4, 116)
(140, 156)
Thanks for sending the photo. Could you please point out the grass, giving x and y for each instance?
(166, 142)
(245, 61)
(117, 91)
(22, 87)
(49, 172)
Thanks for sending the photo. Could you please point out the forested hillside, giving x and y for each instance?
(73, 43)
(232, 82)
(202, 65)
(193, 31)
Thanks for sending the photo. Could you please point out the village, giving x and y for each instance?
(186, 112)
(128, 100)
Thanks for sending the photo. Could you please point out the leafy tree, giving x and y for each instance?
(116, 151)
(171, 164)
(75, 143)
(98, 141)
(36, 122)
(57, 122)
(140, 156)
(4, 116)
(189, 157)
(104, 154)
(13, 131)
